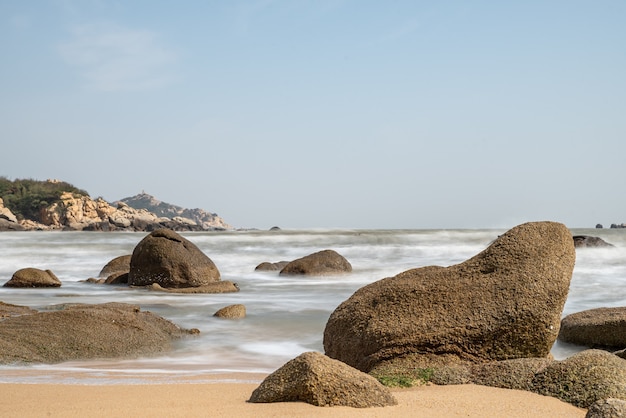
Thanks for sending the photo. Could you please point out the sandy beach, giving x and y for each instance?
(230, 400)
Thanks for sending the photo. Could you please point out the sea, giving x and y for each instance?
(285, 317)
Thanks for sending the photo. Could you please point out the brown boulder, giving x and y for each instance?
(79, 331)
(33, 277)
(119, 264)
(318, 264)
(171, 261)
(231, 312)
(583, 378)
(503, 303)
(321, 381)
(267, 266)
(596, 328)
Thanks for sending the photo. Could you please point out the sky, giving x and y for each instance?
(324, 113)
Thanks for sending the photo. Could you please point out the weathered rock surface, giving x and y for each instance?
(267, 266)
(119, 264)
(596, 328)
(5, 213)
(504, 303)
(8, 310)
(231, 312)
(33, 277)
(321, 263)
(79, 331)
(607, 408)
(171, 261)
(581, 241)
(583, 378)
(321, 381)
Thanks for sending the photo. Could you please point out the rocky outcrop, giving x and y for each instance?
(504, 303)
(581, 241)
(321, 263)
(231, 312)
(165, 258)
(33, 277)
(192, 217)
(596, 328)
(80, 331)
(79, 212)
(321, 381)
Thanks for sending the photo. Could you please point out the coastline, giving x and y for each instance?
(221, 399)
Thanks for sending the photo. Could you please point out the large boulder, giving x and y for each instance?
(321, 263)
(504, 303)
(33, 277)
(321, 381)
(583, 378)
(166, 258)
(79, 331)
(597, 328)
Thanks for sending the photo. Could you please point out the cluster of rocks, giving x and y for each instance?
(81, 213)
(613, 226)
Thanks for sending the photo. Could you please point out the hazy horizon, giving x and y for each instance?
(324, 114)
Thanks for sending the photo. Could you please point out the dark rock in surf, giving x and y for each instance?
(321, 263)
(503, 303)
(166, 258)
(596, 328)
(321, 381)
(267, 266)
(33, 277)
(587, 241)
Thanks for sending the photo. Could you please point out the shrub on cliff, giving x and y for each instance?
(26, 197)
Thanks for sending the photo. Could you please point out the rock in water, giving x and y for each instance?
(171, 261)
(504, 303)
(326, 262)
(33, 277)
(321, 381)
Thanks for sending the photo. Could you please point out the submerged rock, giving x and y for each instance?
(33, 277)
(318, 264)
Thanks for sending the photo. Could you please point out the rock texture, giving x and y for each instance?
(171, 261)
(267, 266)
(78, 332)
(231, 312)
(600, 327)
(33, 277)
(583, 378)
(321, 381)
(503, 303)
(318, 264)
(119, 264)
(607, 408)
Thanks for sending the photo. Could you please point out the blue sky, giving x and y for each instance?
(324, 114)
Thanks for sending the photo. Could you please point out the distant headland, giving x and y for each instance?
(27, 204)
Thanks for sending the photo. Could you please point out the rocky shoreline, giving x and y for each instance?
(138, 213)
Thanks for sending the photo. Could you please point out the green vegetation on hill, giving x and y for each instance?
(26, 197)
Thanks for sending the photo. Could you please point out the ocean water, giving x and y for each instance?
(286, 316)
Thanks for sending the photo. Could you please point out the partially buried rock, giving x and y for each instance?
(33, 277)
(80, 331)
(596, 328)
(321, 263)
(267, 266)
(166, 258)
(504, 303)
(231, 312)
(583, 378)
(321, 381)
(581, 241)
